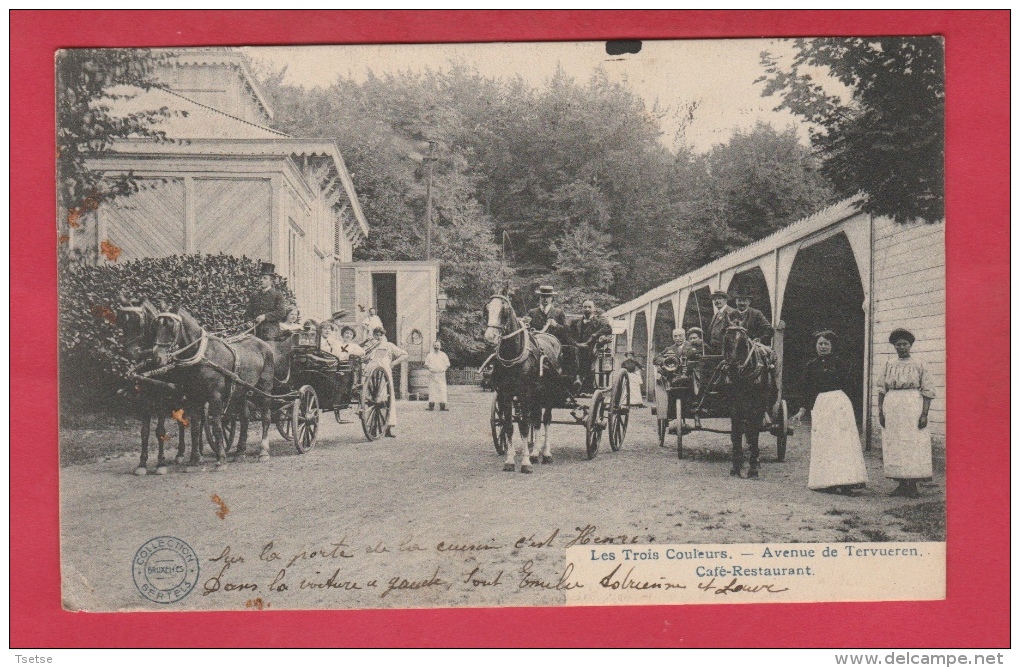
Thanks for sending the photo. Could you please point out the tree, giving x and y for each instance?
(585, 267)
(888, 140)
(88, 81)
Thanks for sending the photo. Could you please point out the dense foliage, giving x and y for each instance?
(213, 288)
(571, 180)
(88, 82)
(888, 140)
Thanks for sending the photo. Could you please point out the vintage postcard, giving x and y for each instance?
(512, 324)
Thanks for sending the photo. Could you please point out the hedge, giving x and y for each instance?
(213, 288)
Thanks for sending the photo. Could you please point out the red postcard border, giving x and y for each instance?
(976, 611)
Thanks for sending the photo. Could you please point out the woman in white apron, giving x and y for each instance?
(837, 460)
(904, 397)
(386, 355)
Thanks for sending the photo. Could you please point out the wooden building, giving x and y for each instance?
(406, 297)
(225, 182)
(860, 275)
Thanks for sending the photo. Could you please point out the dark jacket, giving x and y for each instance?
(716, 331)
(823, 374)
(559, 328)
(587, 331)
(273, 305)
(755, 323)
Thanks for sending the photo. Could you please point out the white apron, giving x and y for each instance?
(836, 455)
(906, 450)
(437, 387)
(634, 385)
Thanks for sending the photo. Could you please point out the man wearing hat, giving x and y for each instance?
(267, 307)
(720, 321)
(751, 319)
(549, 318)
(587, 330)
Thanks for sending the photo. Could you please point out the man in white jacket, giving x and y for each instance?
(437, 363)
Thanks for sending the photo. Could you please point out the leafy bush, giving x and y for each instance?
(213, 288)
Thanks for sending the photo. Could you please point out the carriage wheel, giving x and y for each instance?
(283, 422)
(619, 412)
(502, 427)
(595, 424)
(304, 417)
(375, 404)
(782, 424)
(679, 429)
(228, 423)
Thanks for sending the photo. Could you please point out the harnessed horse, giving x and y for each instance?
(152, 398)
(750, 367)
(203, 365)
(520, 371)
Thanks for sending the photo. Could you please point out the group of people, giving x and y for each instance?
(905, 394)
(268, 309)
(837, 463)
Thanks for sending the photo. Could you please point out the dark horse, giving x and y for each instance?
(750, 368)
(156, 398)
(207, 368)
(518, 374)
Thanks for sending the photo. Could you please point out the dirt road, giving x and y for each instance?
(433, 506)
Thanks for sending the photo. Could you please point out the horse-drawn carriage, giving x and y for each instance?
(224, 382)
(691, 389)
(530, 381)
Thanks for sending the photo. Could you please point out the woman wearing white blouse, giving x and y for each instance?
(904, 397)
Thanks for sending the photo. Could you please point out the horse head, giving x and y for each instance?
(176, 334)
(736, 345)
(499, 316)
(137, 322)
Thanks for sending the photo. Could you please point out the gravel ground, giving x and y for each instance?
(439, 487)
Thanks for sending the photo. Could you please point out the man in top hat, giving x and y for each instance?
(267, 307)
(751, 319)
(586, 332)
(720, 321)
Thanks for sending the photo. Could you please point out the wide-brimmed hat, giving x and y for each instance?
(267, 269)
(338, 315)
(546, 291)
(900, 333)
(695, 329)
(719, 293)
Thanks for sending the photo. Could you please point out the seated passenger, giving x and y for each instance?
(345, 347)
(694, 347)
(293, 321)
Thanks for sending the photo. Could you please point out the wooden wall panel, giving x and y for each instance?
(416, 304)
(149, 223)
(233, 216)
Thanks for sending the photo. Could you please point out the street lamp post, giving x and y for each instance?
(428, 203)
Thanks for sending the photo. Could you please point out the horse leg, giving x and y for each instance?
(216, 427)
(546, 421)
(506, 409)
(267, 410)
(736, 438)
(160, 441)
(146, 426)
(195, 415)
(181, 444)
(752, 428)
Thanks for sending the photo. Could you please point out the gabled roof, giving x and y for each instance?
(190, 120)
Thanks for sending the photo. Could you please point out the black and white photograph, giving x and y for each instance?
(504, 324)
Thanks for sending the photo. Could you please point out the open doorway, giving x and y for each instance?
(824, 292)
(384, 296)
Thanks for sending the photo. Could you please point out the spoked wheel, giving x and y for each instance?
(782, 423)
(596, 423)
(283, 422)
(304, 417)
(679, 429)
(502, 422)
(228, 423)
(375, 404)
(619, 412)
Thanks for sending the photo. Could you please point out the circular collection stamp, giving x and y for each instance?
(165, 569)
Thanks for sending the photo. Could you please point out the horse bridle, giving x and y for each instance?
(503, 337)
(173, 351)
(740, 368)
